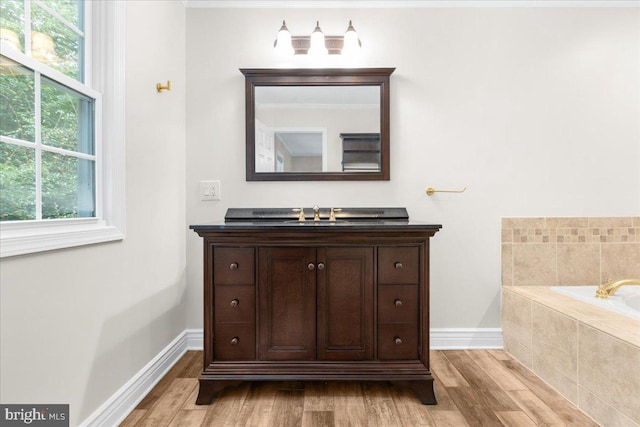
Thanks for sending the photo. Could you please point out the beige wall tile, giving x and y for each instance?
(578, 264)
(507, 264)
(523, 222)
(507, 235)
(516, 317)
(564, 385)
(608, 367)
(568, 222)
(620, 261)
(601, 412)
(636, 221)
(534, 264)
(554, 339)
(605, 222)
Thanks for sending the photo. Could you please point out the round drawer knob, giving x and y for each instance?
(233, 266)
(398, 265)
(236, 340)
(398, 303)
(234, 302)
(397, 340)
(311, 266)
(320, 266)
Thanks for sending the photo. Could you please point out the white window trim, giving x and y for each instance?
(108, 63)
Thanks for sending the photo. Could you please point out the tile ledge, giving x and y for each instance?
(599, 320)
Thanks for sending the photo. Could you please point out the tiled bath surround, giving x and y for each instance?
(588, 354)
(569, 251)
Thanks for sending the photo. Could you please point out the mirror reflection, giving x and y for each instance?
(300, 129)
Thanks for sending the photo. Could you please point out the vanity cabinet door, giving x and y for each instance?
(287, 303)
(345, 303)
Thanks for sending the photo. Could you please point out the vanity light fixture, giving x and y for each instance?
(317, 43)
(283, 41)
(351, 40)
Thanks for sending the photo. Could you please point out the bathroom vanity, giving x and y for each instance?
(314, 299)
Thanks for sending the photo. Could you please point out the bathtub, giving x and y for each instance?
(584, 347)
(626, 300)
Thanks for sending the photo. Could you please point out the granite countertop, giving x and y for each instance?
(323, 224)
(287, 218)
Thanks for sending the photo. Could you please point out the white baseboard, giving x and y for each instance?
(195, 339)
(466, 338)
(123, 401)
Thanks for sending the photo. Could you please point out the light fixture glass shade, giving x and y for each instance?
(10, 38)
(317, 45)
(283, 41)
(42, 47)
(351, 41)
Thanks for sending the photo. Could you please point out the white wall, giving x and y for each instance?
(536, 111)
(77, 324)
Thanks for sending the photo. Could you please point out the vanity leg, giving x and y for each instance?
(423, 388)
(210, 388)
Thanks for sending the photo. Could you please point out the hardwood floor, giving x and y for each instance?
(474, 388)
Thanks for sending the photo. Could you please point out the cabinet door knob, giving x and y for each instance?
(311, 266)
(236, 340)
(397, 340)
(320, 266)
(233, 266)
(398, 303)
(234, 302)
(398, 265)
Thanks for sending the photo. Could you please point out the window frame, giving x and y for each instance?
(104, 78)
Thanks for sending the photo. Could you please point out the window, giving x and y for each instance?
(61, 181)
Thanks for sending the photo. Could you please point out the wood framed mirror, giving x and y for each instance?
(310, 124)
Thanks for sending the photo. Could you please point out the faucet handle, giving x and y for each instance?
(603, 289)
(332, 216)
(301, 217)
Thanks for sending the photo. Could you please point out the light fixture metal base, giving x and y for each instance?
(334, 44)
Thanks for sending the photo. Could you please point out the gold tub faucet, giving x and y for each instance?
(607, 289)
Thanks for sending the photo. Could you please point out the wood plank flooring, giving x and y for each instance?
(474, 388)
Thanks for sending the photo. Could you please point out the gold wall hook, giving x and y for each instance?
(430, 191)
(160, 88)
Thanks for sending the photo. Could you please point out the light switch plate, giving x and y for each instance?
(210, 190)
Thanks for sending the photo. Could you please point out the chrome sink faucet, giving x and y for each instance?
(316, 213)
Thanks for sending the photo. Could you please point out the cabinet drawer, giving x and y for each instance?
(397, 341)
(235, 341)
(235, 303)
(233, 266)
(398, 303)
(398, 265)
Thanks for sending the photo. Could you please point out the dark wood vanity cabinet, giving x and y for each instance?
(316, 303)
